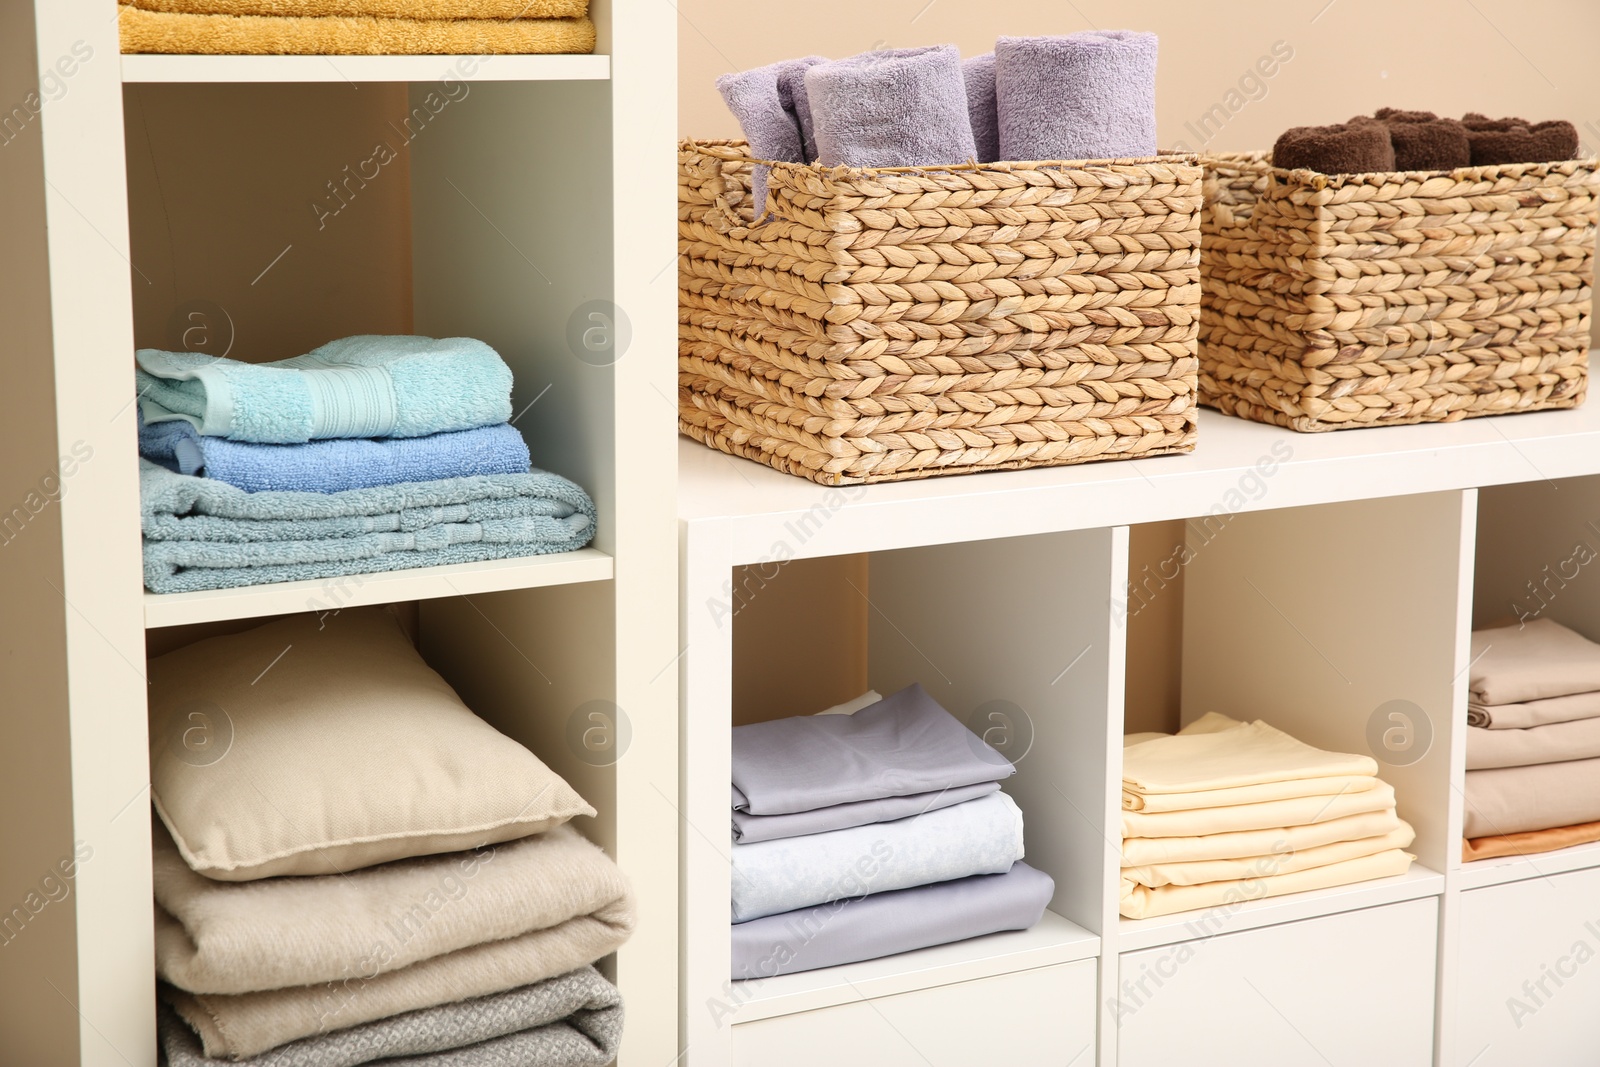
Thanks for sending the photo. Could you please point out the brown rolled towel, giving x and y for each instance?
(1360, 146)
(1511, 140)
(1424, 141)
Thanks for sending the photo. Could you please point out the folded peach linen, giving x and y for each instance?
(1297, 811)
(1531, 713)
(1529, 842)
(1143, 902)
(1246, 844)
(189, 34)
(1249, 794)
(1278, 861)
(394, 9)
(1248, 754)
(1531, 661)
(1510, 800)
(1555, 742)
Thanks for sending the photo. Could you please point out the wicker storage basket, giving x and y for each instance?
(1339, 301)
(891, 324)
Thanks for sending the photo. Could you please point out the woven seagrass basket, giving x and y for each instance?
(891, 324)
(1340, 301)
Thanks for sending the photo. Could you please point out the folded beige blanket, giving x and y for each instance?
(1529, 842)
(1244, 755)
(1556, 742)
(1246, 844)
(1531, 713)
(1248, 794)
(188, 34)
(242, 937)
(1271, 814)
(1532, 661)
(1510, 800)
(1284, 861)
(1143, 902)
(393, 9)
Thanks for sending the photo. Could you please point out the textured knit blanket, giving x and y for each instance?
(203, 534)
(574, 1020)
(353, 387)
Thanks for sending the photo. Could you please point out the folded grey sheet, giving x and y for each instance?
(748, 828)
(1556, 742)
(982, 836)
(1511, 800)
(572, 1020)
(847, 931)
(904, 744)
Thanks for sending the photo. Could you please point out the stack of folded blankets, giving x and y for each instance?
(1533, 740)
(874, 828)
(355, 27)
(367, 454)
(1224, 812)
(1088, 95)
(350, 866)
(1396, 140)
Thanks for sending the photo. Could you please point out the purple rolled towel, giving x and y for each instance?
(772, 131)
(792, 95)
(979, 74)
(1088, 95)
(902, 107)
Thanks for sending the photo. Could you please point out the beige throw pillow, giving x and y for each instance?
(314, 745)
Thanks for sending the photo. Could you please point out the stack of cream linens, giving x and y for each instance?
(1225, 812)
(1533, 740)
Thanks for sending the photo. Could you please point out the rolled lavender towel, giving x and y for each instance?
(770, 129)
(1424, 141)
(792, 95)
(1088, 95)
(1360, 146)
(900, 107)
(979, 74)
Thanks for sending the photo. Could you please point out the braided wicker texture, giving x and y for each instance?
(891, 324)
(1340, 301)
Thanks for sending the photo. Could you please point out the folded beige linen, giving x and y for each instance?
(1248, 794)
(242, 937)
(1510, 800)
(1531, 661)
(1249, 754)
(1143, 902)
(1529, 842)
(1212, 722)
(1245, 844)
(1148, 735)
(1271, 814)
(1282, 860)
(395, 9)
(1531, 713)
(189, 34)
(1556, 742)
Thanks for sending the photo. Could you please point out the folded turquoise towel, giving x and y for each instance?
(354, 387)
(203, 534)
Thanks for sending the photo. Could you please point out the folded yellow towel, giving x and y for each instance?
(189, 34)
(1265, 816)
(1143, 902)
(1249, 794)
(1147, 851)
(384, 9)
(1233, 756)
(1283, 860)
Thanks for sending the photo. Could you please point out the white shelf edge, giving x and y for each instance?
(1204, 923)
(1051, 941)
(1480, 874)
(149, 67)
(423, 583)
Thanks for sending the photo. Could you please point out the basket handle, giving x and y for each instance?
(730, 213)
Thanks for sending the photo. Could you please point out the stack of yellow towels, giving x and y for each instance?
(355, 27)
(1225, 812)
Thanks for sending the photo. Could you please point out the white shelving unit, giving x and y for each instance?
(1331, 579)
(546, 189)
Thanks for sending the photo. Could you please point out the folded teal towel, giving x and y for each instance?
(203, 534)
(353, 387)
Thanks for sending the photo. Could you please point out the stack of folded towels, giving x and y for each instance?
(1084, 96)
(367, 454)
(351, 866)
(355, 27)
(1224, 812)
(1533, 740)
(1396, 140)
(873, 828)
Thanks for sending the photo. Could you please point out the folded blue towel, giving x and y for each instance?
(1089, 95)
(898, 107)
(354, 387)
(334, 466)
(204, 534)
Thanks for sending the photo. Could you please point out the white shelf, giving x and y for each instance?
(1482, 873)
(386, 587)
(761, 506)
(1051, 941)
(1202, 923)
(358, 69)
